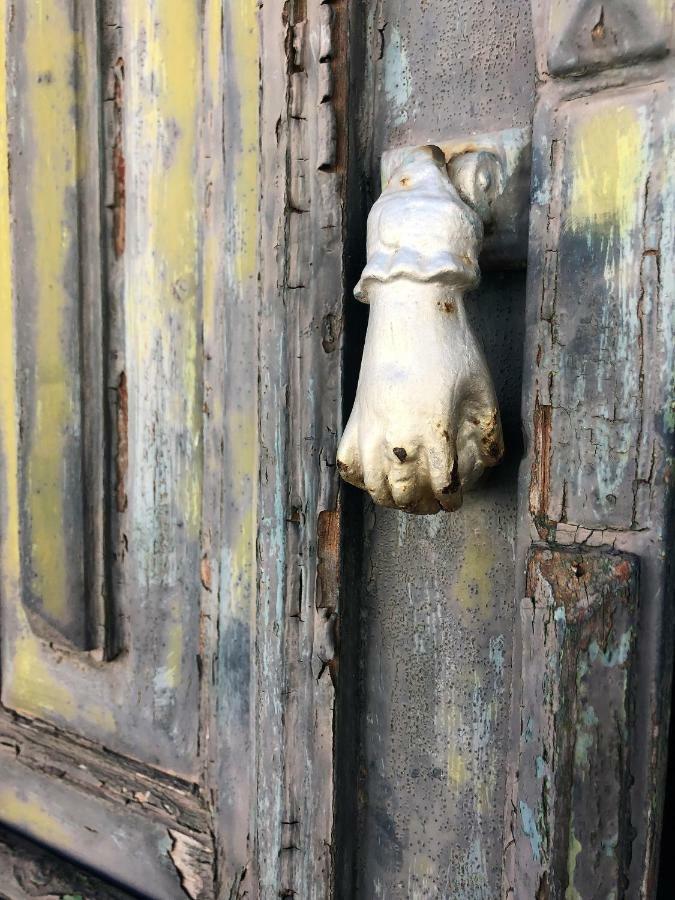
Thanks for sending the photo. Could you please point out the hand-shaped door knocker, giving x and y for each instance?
(425, 421)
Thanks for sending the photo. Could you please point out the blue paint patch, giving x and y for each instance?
(397, 77)
(530, 830)
(609, 845)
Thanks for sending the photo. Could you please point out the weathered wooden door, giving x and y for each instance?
(224, 674)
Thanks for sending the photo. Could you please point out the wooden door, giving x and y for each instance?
(170, 357)
(224, 674)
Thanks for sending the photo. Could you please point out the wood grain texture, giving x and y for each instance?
(231, 226)
(110, 813)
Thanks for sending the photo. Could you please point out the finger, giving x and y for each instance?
(482, 426)
(444, 471)
(375, 469)
(405, 478)
(469, 457)
(348, 457)
(405, 490)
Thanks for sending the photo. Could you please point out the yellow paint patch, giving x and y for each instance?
(473, 587)
(30, 816)
(662, 9)
(456, 768)
(607, 170)
(174, 655)
(163, 301)
(49, 100)
(33, 686)
(571, 893)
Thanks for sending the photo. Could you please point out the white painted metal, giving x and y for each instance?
(425, 421)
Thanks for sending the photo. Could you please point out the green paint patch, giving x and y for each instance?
(615, 655)
(571, 893)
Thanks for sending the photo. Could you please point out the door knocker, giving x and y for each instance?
(425, 422)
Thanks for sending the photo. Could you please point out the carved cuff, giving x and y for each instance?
(417, 219)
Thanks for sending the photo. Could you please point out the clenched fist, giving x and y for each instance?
(425, 422)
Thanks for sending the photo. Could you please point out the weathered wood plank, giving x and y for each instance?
(600, 283)
(579, 627)
(163, 362)
(100, 808)
(145, 855)
(230, 140)
(303, 89)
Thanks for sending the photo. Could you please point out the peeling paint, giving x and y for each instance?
(575, 848)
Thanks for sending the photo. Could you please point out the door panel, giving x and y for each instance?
(106, 317)
(101, 440)
(56, 215)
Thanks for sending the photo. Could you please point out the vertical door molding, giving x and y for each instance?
(303, 140)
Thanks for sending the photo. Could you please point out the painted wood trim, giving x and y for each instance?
(580, 626)
(229, 552)
(303, 137)
(56, 297)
